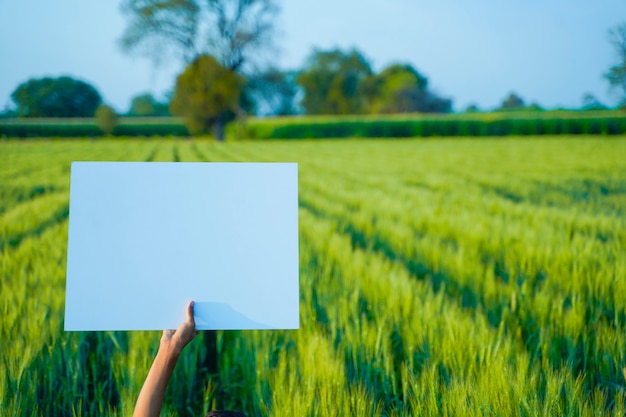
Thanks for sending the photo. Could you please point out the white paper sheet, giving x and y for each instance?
(145, 238)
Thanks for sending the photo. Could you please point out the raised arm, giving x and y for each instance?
(150, 398)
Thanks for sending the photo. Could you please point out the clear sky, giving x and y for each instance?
(547, 51)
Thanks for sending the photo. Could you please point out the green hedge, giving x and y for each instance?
(51, 128)
(453, 125)
(310, 127)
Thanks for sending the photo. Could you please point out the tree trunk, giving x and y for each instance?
(219, 129)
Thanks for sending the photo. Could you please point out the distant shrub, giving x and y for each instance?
(106, 118)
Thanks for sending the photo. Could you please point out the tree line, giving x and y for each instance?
(208, 95)
(222, 44)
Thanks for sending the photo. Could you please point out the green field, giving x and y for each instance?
(437, 277)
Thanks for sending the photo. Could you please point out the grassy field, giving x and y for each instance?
(460, 277)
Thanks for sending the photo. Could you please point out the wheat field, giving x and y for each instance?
(458, 277)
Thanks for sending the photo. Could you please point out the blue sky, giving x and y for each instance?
(550, 52)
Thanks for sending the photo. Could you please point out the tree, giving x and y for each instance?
(207, 95)
(590, 102)
(8, 113)
(331, 82)
(512, 102)
(617, 73)
(399, 88)
(106, 118)
(146, 105)
(273, 92)
(472, 108)
(56, 97)
(231, 30)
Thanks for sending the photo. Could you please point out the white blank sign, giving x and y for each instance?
(146, 238)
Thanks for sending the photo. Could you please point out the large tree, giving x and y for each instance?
(331, 82)
(56, 97)
(207, 95)
(234, 31)
(617, 73)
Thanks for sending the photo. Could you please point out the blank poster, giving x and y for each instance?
(146, 238)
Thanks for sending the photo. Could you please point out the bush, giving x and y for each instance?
(106, 118)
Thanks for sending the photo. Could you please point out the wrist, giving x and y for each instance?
(169, 349)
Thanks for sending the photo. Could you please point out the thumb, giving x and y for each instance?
(190, 312)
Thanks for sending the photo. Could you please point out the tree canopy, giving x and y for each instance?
(338, 82)
(234, 31)
(331, 82)
(56, 97)
(207, 95)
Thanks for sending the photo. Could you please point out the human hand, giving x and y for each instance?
(150, 400)
(175, 340)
